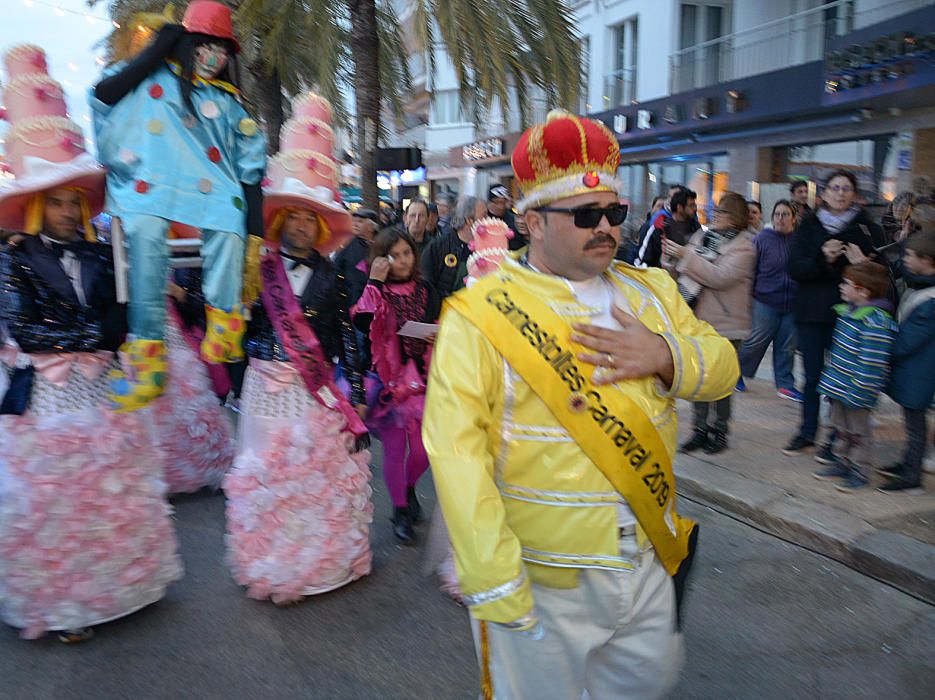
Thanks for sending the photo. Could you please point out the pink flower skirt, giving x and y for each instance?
(298, 501)
(85, 532)
(189, 425)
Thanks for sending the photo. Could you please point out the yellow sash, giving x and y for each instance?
(606, 424)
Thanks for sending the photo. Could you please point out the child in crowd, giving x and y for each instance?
(912, 384)
(395, 294)
(857, 369)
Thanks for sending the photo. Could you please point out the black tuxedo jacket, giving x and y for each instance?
(40, 308)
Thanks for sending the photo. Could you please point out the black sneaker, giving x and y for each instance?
(797, 446)
(835, 470)
(824, 455)
(894, 471)
(81, 634)
(717, 443)
(852, 482)
(402, 526)
(697, 441)
(897, 484)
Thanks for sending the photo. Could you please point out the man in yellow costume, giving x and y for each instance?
(550, 425)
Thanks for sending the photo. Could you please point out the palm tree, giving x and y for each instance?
(500, 49)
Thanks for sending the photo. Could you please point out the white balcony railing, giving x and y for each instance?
(787, 41)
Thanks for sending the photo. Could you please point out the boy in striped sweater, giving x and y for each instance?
(857, 369)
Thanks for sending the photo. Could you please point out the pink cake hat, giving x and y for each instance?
(44, 149)
(489, 244)
(304, 174)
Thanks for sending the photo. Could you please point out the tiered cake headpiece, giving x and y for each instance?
(44, 148)
(304, 174)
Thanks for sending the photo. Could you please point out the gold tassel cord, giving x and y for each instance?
(486, 683)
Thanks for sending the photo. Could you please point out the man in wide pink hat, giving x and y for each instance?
(85, 535)
(296, 426)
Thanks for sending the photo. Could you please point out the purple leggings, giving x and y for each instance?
(399, 470)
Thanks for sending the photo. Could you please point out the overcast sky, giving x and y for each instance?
(68, 36)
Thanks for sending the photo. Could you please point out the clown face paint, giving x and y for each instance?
(210, 59)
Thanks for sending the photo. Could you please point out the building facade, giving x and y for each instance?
(743, 95)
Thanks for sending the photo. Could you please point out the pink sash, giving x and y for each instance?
(300, 342)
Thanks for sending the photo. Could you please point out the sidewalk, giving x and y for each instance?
(889, 537)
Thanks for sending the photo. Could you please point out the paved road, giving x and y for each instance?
(766, 619)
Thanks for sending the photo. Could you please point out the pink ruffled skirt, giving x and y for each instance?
(189, 425)
(85, 532)
(298, 501)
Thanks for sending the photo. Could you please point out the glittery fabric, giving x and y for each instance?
(40, 309)
(325, 305)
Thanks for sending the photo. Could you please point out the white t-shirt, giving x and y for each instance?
(602, 296)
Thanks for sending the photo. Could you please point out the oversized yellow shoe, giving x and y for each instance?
(142, 378)
(223, 341)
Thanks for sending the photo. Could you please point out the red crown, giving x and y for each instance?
(567, 155)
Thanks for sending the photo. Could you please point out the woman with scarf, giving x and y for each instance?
(839, 233)
(715, 275)
(395, 295)
(298, 495)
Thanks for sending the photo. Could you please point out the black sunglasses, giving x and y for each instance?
(590, 217)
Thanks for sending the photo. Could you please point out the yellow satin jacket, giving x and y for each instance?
(521, 500)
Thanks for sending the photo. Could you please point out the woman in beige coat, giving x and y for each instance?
(715, 275)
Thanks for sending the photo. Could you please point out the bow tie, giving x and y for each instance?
(59, 249)
(295, 262)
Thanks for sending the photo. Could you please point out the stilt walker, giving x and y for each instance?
(180, 147)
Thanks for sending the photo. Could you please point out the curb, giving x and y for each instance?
(898, 560)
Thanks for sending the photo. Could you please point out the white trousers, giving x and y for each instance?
(611, 638)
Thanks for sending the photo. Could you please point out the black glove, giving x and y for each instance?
(16, 400)
(253, 194)
(113, 89)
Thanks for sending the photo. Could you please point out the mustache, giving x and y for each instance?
(601, 240)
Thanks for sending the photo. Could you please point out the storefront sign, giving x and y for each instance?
(644, 119)
(672, 114)
(873, 62)
(482, 150)
(703, 108)
(736, 102)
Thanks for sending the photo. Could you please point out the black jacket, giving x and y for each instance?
(346, 262)
(40, 308)
(444, 263)
(326, 307)
(818, 281)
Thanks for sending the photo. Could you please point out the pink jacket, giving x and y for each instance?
(726, 299)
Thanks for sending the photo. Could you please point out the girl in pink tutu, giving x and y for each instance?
(298, 496)
(394, 295)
